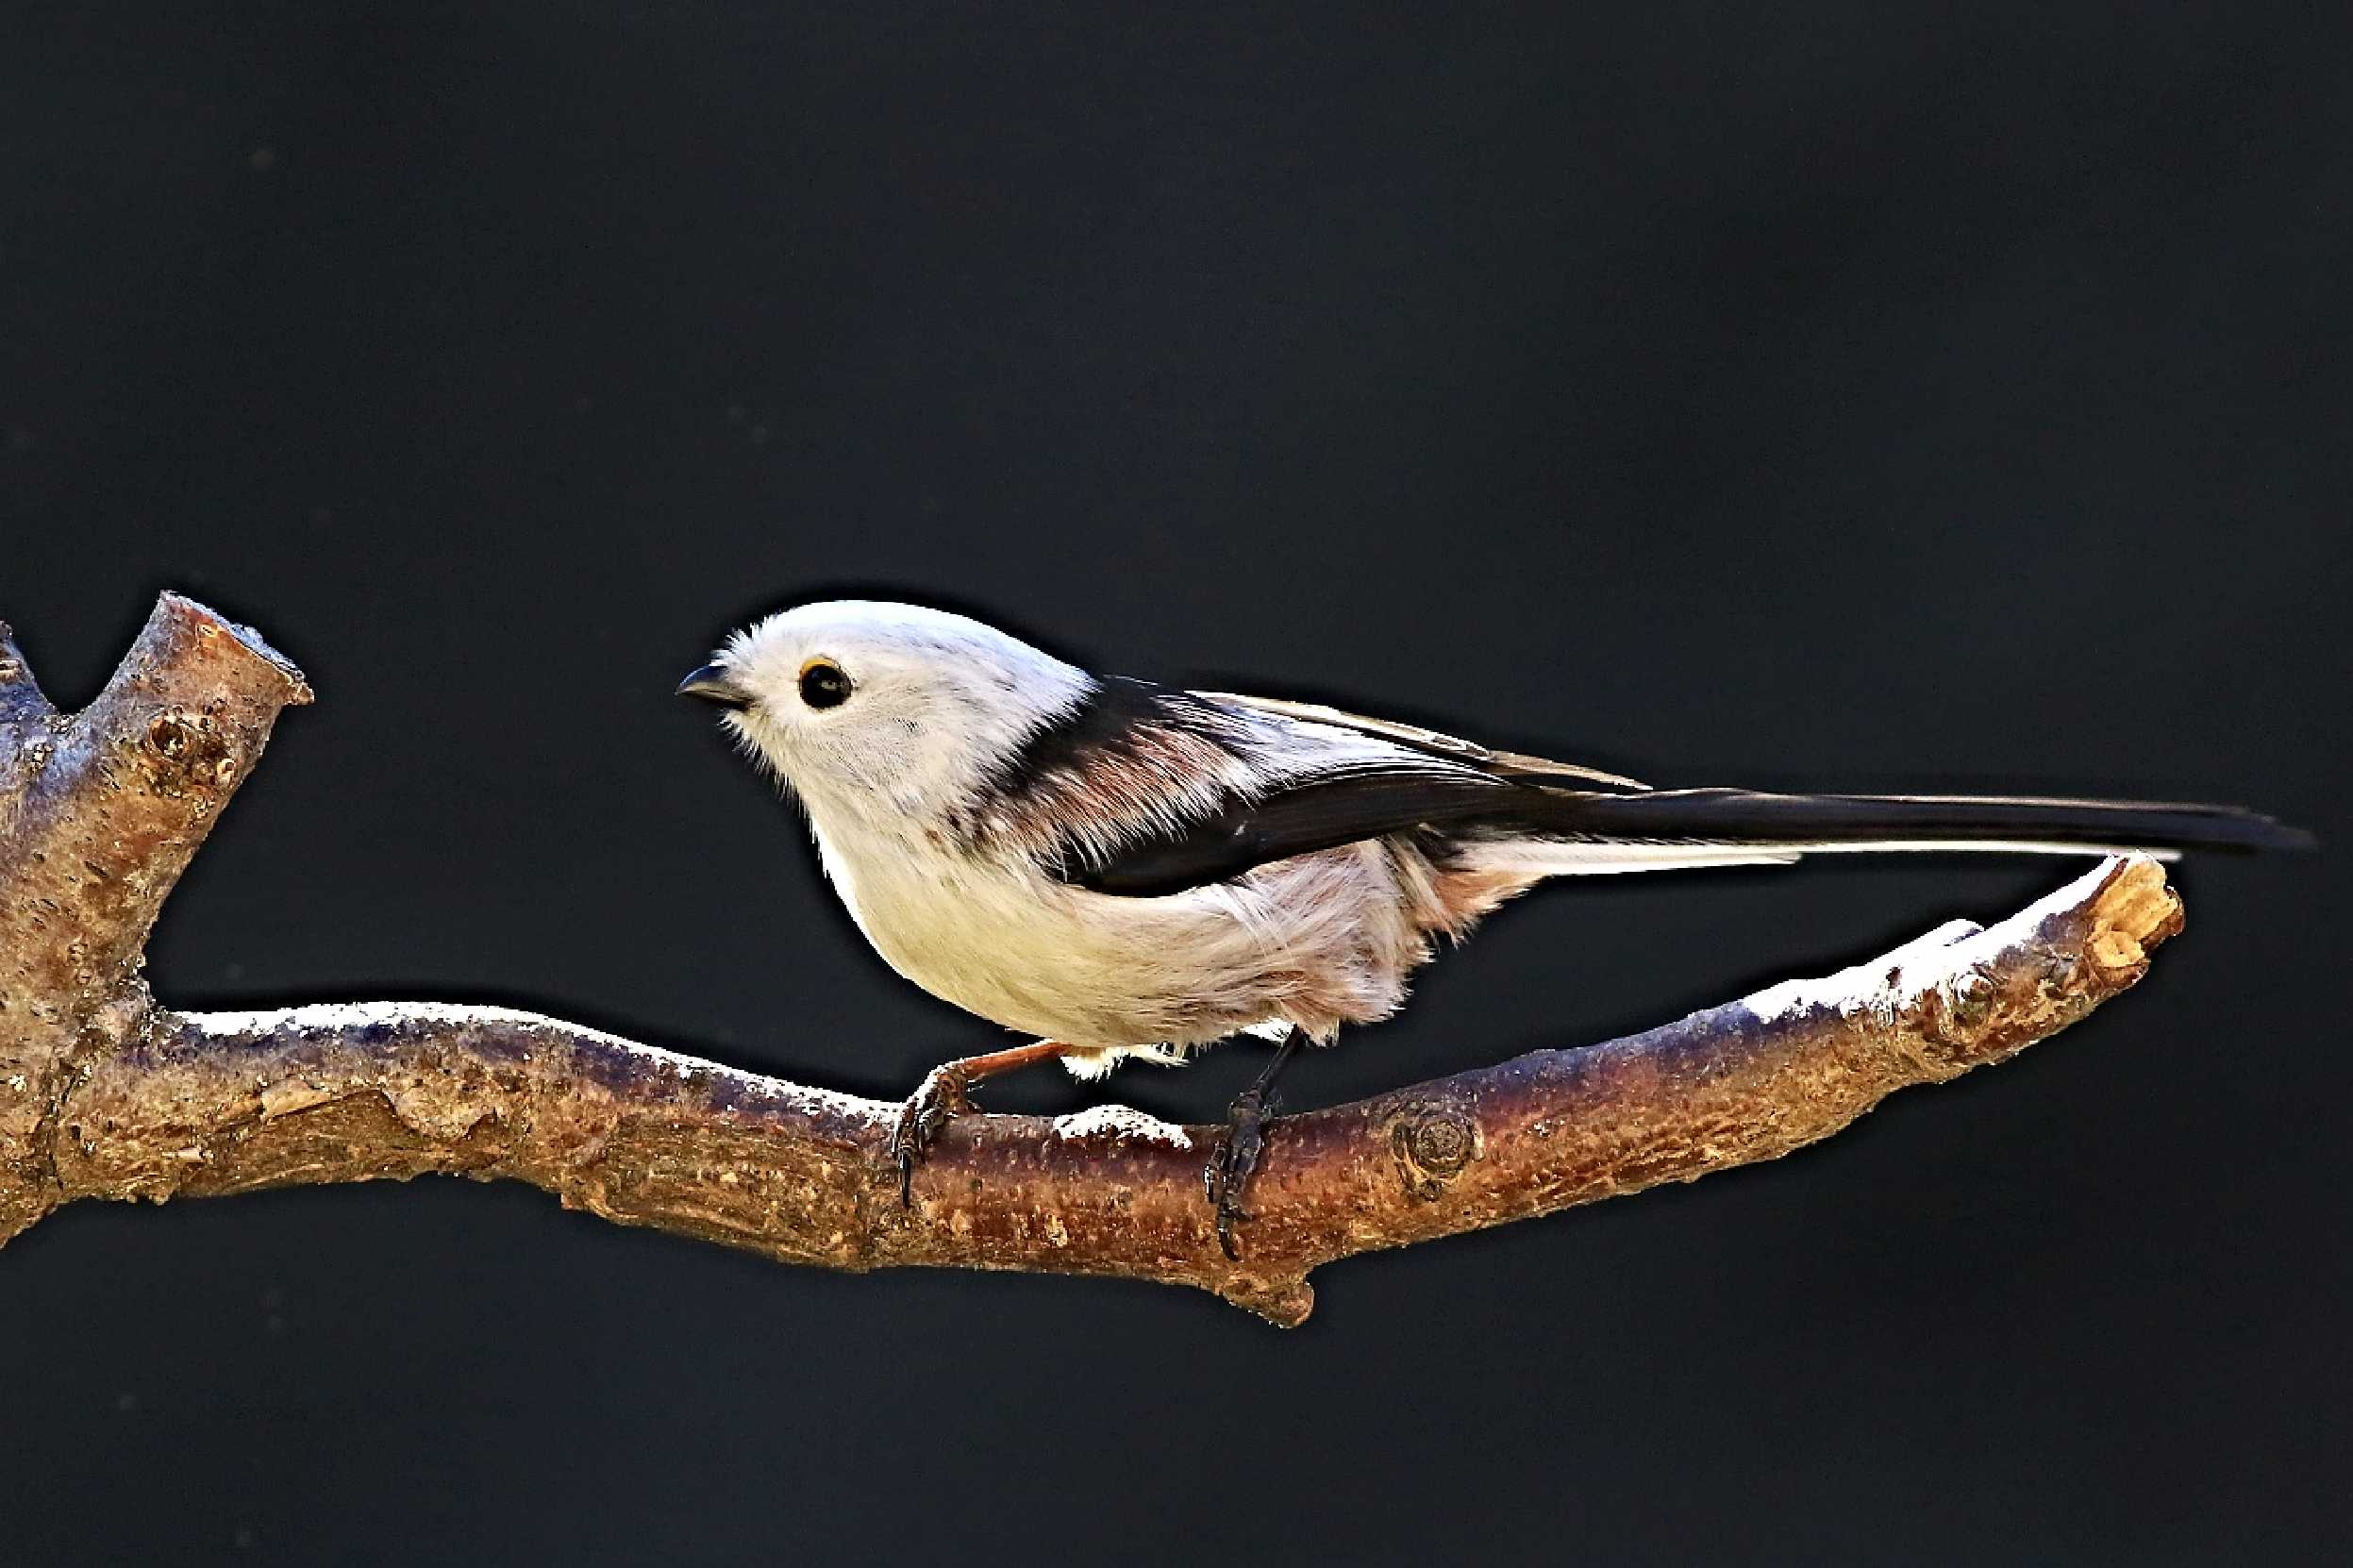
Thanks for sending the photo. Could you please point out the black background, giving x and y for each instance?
(1811, 394)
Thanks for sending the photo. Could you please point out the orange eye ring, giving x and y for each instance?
(822, 684)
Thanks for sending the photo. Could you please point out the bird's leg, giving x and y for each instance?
(1236, 1156)
(945, 1092)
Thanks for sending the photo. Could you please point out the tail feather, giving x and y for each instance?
(1716, 827)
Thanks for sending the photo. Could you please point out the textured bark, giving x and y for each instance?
(99, 814)
(104, 1094)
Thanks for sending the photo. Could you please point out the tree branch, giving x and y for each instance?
(99, 814)
(103, 1094)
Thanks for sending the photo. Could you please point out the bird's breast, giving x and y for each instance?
(996, 938)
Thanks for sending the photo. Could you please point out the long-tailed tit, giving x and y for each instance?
(1122, 869)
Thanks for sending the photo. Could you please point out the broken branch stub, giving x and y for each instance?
(99, 814)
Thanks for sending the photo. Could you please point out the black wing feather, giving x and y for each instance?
(1321, 812)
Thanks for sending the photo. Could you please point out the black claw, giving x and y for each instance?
(940, 1098)
(1226, 1176)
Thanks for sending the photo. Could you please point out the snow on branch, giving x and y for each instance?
(105, 1095)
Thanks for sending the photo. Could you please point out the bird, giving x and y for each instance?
(1124, 870)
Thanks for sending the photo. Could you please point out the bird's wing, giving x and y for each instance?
(1501, 764)
(1297, 817)
(1148, 790)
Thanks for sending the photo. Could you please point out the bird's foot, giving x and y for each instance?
(945, 1093)
(1226, 1176)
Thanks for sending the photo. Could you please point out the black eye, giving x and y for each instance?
(823, 684)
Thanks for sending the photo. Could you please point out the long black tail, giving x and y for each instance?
(1827, 823)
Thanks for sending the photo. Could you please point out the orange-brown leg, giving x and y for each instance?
(945, 1092)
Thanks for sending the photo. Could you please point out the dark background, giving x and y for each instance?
(1811, 394)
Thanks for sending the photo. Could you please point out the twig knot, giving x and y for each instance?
(1434, 1142)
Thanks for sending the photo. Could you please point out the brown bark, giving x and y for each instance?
(104, 1094)
(99, 814)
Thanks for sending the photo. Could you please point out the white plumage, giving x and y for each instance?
(1318, 939)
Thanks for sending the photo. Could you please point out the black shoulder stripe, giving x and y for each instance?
(1109, 723)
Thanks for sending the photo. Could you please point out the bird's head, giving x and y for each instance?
(882, 708)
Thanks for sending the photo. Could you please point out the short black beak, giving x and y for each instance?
(713, 684)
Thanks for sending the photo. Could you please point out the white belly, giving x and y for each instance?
(1317, 941)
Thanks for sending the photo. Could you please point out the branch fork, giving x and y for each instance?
(106, 1094)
